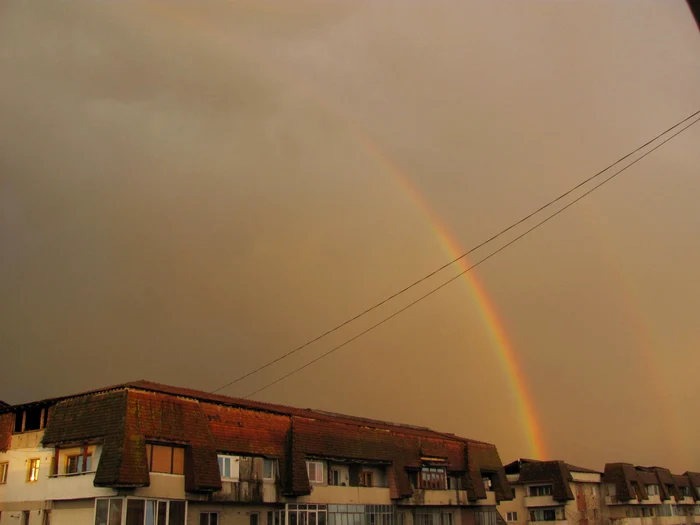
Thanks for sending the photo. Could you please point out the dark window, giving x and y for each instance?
(177, 513)
(254, 518)
(209, 518)
(366, 479)
(541, 490)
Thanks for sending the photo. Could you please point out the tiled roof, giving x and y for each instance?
(125, 417)
(631, 481)
(555, 472)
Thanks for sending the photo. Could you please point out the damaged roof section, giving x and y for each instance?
(125, 418)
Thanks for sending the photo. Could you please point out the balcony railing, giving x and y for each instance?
(540, 501)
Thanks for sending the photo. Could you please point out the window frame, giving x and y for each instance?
(222, 459)
(545, 489)
(432, 478)
(317, 464)
(150, 455)
(31, 470)
(366, 475)
(124, 505)
(256, 515)
(4, 469)
(512, 516)
(273, 464)
(209, 514)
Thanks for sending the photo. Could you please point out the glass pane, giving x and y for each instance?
(115, 512)
(150, 512)
(204, 516)
(135, 510)
(322, 518)
(101, 511)
(312, 518)
(221, 467)
(177, 513)
(162, 512)
(162, 459)
(178, 460)
(214, 519)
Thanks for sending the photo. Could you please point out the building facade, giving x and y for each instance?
(148, 454)
(546, 491)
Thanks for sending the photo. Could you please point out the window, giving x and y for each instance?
(30, 419)
(33, 470)
(254, 518)
(433, 478)
(665, 510)
(165, 459)
(511, 516)
(74, 464)
(612, 490)
(3, 472)
(315, 471)
(546, 515)
(488, 484)
(454, 483)
(46, 517)
(685, 491)
(109, 511)
(25, 517)
(652, 490)
(541, 490)
(434, 517)
(268, 468)
(335, 478)
(366, 478)
(229, 467)
(209, 518)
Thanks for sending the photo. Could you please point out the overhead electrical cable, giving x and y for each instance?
(462, 256)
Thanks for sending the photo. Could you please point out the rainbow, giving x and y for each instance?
(489, 314)
(491, 320)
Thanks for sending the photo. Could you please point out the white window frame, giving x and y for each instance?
(124, 501)
(512, 516)
(536, 488)
(652, 490)
(319, 467)
(273, 465)
(30, 470)
(234, 466)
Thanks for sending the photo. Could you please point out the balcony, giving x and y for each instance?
(427, 497)
(75, 486)
(324, 494)
(247, 491)
(540, 501)
(613, 500)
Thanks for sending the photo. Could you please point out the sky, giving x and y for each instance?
(190, 189)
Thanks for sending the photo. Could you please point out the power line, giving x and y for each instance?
(450, 263)
(513, 241)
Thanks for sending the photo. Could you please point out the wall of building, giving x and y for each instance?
(228, 514)
(75, 512)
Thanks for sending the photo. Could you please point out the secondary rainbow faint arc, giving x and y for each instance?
(488, 311)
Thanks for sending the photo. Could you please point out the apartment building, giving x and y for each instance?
(142, 453)
(547, 491)
(650, 496)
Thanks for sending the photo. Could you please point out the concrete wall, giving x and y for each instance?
(165, 486)
(346, 495)
(76, 512)
(228, 514)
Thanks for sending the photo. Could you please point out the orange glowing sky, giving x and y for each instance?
(188, 190)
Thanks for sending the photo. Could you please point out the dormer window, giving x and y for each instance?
(541, 490)
(433, 478)
(30, 419)
(652, 490)
(165, 459)
(229, 467)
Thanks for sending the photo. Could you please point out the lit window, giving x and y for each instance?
(165, 459)
(315, 471)
(209, 518)
(229, 467)
(268, 468)
(33, 470)
(3, 472)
